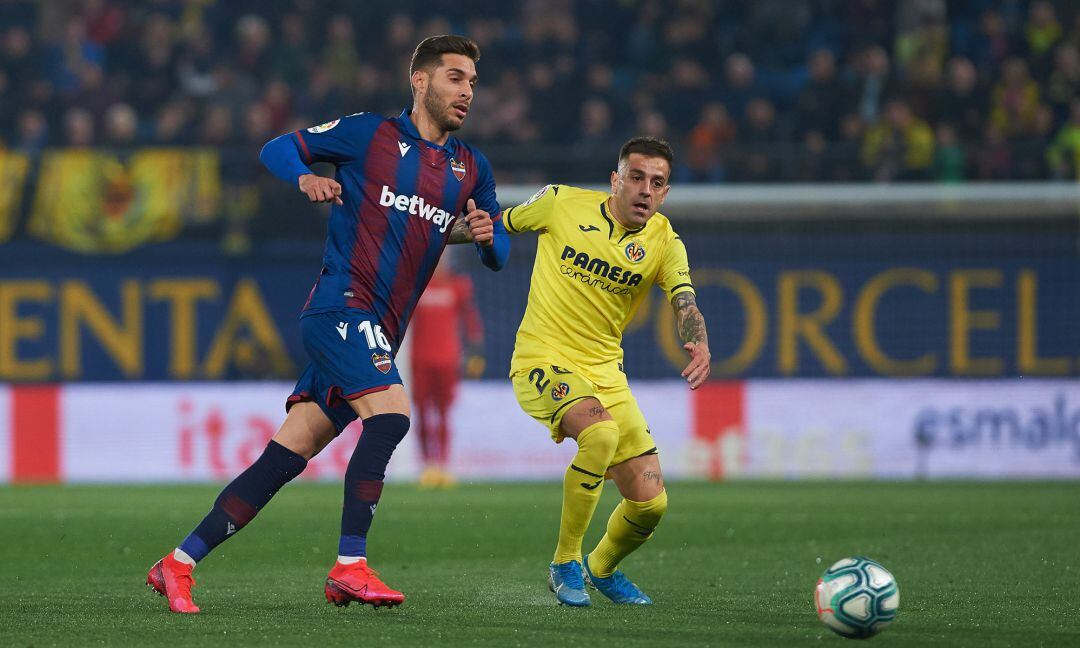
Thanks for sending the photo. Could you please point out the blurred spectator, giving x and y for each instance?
(962, 102)
(992, 44)
(949, 158)
(172, 124)
(103, 20)
(217, 129)
(558, 116)
(922, 32)
(291, 57)
(706, 144)
(652, 123)
(843, 161)
(78, 128)
(1064, 83)
(33, 133)
(121, 125)
(68, 59)
(922, 83)
(339, 55)
(1074, 33)
(1015, 100)
(757, 139)
(152, 66)
(7, 106)
(195, 69)
(687, 91)
(813, 158)
(738, 86)
(322, 100)
(873, 82)
(596, 123)
(1041, 33)
(900, 146)
(994, 161)
(252, 57)
(18, 58)
(1063, 156)
(278, 101)
(1029, 155)
(817, 101)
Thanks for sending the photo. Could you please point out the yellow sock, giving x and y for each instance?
(630, 525)
(582, 484)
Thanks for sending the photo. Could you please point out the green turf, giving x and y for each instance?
(733, 564)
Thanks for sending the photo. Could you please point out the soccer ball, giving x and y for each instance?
(857, 597)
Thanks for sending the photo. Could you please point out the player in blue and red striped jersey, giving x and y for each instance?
(403, 189)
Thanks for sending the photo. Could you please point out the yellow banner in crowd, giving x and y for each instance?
(96, 201)
(13, 169)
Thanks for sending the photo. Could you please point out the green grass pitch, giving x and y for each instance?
(979, 564)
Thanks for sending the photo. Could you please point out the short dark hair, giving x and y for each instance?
(648, 146)
(430, 50)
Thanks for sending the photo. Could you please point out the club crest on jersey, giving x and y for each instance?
(458, 168)
(322, 128)
(634, 251)
(381, 361)
(559, 392)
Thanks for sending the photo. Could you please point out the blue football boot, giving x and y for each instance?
(617, 587)
(565, 580)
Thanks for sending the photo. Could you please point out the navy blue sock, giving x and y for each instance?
(364, 479)
(243, 498)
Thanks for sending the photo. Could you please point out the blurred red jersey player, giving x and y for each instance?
(445, 312)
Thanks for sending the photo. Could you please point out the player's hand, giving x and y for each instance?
(474, 365)
(700, 364)
(480, 225)
(320, 190)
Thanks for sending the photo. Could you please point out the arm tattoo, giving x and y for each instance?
(459, 233)
(691, 323)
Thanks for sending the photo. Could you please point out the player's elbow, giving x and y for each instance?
(269, 152)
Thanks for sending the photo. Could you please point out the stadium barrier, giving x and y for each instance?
(757, 429)
(857, 331)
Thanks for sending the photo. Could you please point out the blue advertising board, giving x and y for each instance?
(783, 305)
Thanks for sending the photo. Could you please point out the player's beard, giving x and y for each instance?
(438, 111)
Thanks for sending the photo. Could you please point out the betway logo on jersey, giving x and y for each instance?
(596, 270)
(417, 206)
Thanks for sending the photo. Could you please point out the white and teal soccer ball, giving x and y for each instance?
(857, 597)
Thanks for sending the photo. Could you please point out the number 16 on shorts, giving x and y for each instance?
(373, 335)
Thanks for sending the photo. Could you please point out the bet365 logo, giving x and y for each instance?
(634, 251)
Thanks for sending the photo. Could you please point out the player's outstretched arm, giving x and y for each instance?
(691, 325)
(282, 158)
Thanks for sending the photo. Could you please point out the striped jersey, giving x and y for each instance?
(402, 195)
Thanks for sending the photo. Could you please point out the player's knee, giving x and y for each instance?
(380, 437)
(600, 439)
(388, 429)
(649, 513)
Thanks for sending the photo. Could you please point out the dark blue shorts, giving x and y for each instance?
(349, 357)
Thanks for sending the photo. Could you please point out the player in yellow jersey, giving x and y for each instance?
(597, 256)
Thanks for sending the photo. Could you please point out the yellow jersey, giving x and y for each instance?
(589, 278)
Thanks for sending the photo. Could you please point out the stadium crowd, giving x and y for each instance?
(770, 90)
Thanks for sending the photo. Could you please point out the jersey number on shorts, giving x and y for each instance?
(374, 336)
(536, 377)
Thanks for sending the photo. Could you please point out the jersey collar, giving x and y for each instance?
(407, 125)
(615, 226)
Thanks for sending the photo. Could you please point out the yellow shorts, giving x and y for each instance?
(547, 391)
